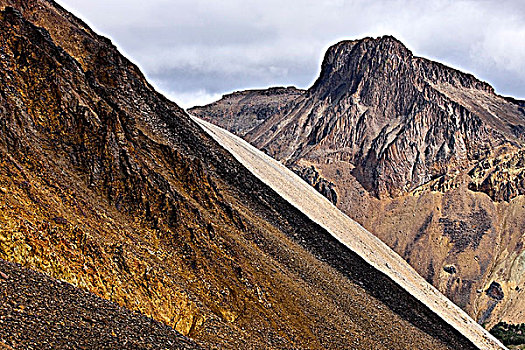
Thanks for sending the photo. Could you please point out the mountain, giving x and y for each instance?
(428, 158)
(107, 185)
(351, 235)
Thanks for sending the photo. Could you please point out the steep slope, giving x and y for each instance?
(347, 231)
(39, 312)
(426, 157)
(107, 185)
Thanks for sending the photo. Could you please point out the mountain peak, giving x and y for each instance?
(384, 60)
(383, 44)
(348, 62)
(403, 143)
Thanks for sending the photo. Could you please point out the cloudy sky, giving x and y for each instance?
(196, 50)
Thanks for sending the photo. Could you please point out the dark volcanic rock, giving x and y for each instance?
(450, 269)
(312, 176)
(495, 291)
(39, 312)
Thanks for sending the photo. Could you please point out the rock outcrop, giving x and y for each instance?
(399, 119)
(312, 177)
(428, 158)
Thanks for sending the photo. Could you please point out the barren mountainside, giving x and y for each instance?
(349, 233)
(426, 157)
(107, 185)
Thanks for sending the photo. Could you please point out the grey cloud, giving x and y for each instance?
(167, 35)
(196, 50)
(220, 81)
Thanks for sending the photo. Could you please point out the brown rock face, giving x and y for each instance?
(399, 119)
(109, 186)
(428, 158)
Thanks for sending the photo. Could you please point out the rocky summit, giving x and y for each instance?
(111, 188)
(428, 158)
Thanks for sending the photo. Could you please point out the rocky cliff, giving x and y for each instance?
(108, 186)
(428, 158)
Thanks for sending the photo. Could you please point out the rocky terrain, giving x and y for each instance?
(108, 186)
(426, 157)
(352, 236)
(37, 312)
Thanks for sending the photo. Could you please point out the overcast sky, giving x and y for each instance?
(196, 50)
